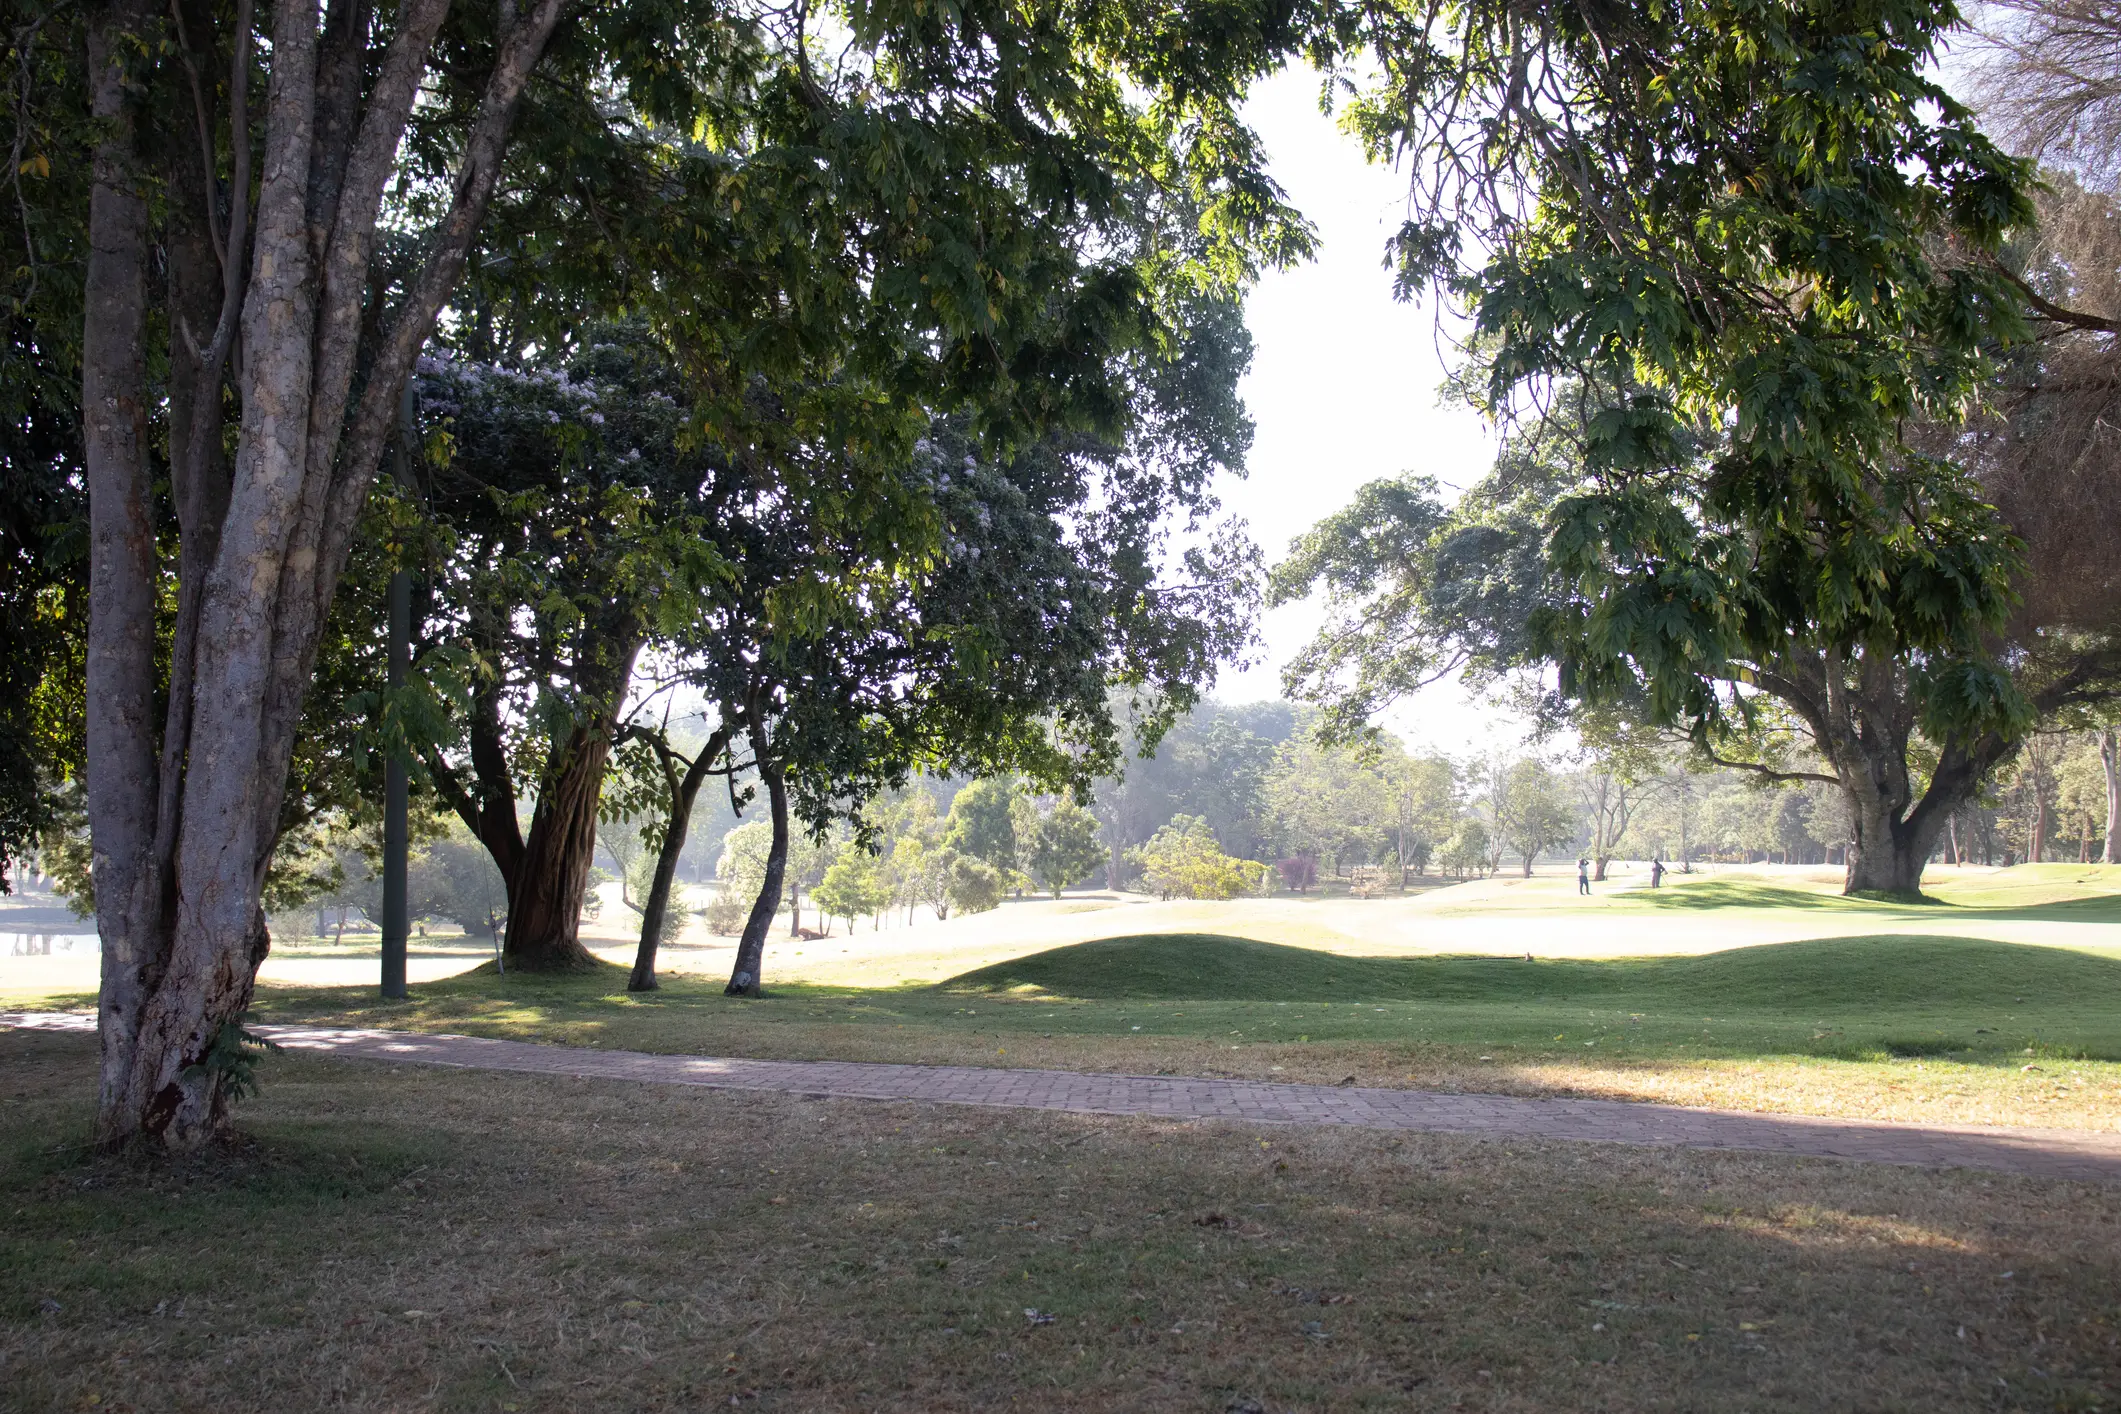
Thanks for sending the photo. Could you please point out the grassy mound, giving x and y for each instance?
(1893, 970)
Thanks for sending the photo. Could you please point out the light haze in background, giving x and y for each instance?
(1344, 390)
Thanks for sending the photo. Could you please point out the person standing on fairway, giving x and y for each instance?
(1583, 876)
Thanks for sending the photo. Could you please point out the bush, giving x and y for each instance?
(725, 916)
(975, 885)
(1183, 860)
(1299, 871)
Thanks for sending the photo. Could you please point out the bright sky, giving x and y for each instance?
(1343, 390)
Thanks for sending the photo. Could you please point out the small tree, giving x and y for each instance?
(973, 885)
(1534, 812)
(925, 874)
(1183, 860)
(1299, 871)
(853, 886)
(1467, 849)
(982, 825)
(455, 878)
(1064, 846)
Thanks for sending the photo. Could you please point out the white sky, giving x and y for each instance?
(1343, 390)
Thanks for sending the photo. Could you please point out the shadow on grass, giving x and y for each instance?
(1894, 970)
(1710, 894)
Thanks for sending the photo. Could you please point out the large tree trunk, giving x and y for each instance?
(1888, 855)
(552, 877)
(744, 976)
(546, 873)
(1861, 713)
(122, 777)
(182, 844)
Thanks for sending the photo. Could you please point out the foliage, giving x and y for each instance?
(1213, 762)
(1750, 477)
(1064, 848)
(1467, 849)
(982, 824)
(232, 1058)
(974, 885)
(742, 870)
(1183, 860)
(854, 886)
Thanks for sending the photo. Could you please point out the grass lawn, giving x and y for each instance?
(1905, 1024)
(1901, 1027)
(424, 1239)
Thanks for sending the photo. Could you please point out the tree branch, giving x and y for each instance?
(2048, 309)
(1768, 772)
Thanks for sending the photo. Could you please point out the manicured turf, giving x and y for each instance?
(1850, 998)
(1941, 994)
(1900, 1025)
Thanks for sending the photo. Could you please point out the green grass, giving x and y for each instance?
(1900, 1025)
(2057, 893)
(1867, 994)
(1843, 997)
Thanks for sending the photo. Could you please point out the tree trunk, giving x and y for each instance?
(2110, 758)
(683, 791)
(121, 672)
(1889, 854)
(1598, 864)
(552, 877)
(181, 850)
(744, 977)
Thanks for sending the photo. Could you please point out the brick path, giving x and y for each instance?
(2046, 1153)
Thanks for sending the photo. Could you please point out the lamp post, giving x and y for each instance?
(396, 923)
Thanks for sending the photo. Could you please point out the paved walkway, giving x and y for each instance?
(2045, 1153)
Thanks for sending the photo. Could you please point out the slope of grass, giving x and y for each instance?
(1893, 971)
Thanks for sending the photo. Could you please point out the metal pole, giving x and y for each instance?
(396, 924)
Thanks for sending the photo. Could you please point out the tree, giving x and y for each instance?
(982, 823)
(192, 811)
(1064, 846)
(854, 886)
(651, 769)
(974, 885)
(1755, 512)
(1622, 765)
(1214, 762)
(1183, 860)
(455, 878)
(1467, 849)
(565, 517)
(273, 233)
(1428, 809)
(1533, 812)
(1332, 801)
(2110, 762)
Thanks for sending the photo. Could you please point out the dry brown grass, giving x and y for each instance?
(416, 1239)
